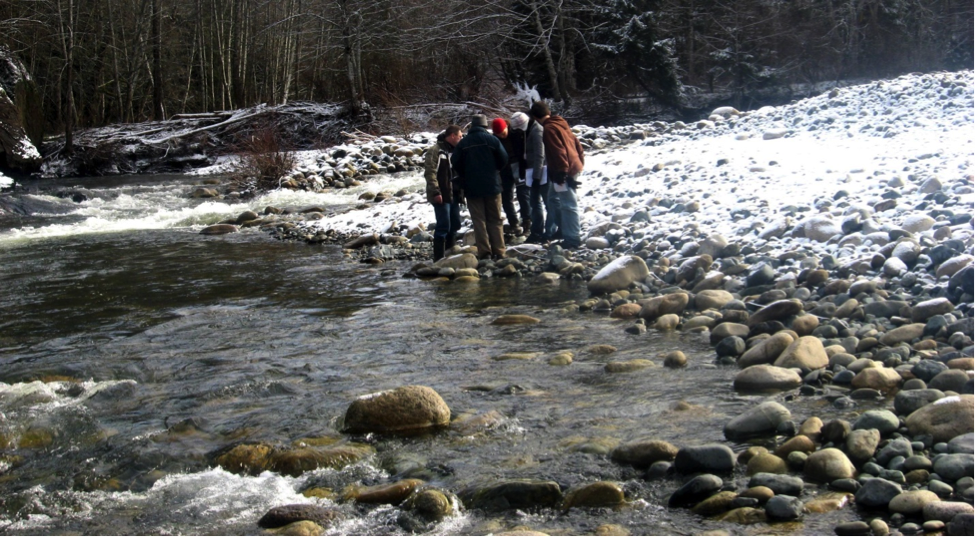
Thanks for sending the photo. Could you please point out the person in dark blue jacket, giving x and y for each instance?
(477, 159)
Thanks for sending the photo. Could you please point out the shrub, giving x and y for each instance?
(263, 162)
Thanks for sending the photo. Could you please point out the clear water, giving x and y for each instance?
(131, 347)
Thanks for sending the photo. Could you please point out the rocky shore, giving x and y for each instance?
(825, 248)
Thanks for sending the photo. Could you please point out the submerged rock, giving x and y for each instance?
(513, 494)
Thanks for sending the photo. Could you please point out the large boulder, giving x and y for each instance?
(619, 274)
(766, 378)
(513, 494)
(820, 228)
(944, 419)
(404, 410)
(716, 458)
(761, 420)
(806, 353)
(776, 311)
(653, 308)
(644, 452)
(712, 299)
(828, 465)
(767, 351)
(20, 124)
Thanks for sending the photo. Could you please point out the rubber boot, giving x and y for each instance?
(438, 248)
(450, 240)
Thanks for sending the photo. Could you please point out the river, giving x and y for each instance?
(131, 347)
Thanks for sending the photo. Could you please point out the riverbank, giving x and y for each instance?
(825, 247)
(768, 330)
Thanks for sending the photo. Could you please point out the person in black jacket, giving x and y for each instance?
(441, 193)
(477, 159)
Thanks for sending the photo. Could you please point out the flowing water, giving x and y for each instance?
(131, 347)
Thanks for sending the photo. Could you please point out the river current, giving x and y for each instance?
(131, 347)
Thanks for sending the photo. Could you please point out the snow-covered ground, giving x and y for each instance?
(739, 174)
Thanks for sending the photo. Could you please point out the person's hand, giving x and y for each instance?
(438, 200)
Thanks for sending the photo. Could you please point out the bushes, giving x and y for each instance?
(262, 160)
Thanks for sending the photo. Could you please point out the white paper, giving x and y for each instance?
(528, 176)
(561, 188)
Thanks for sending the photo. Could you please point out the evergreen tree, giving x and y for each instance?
(627, 36)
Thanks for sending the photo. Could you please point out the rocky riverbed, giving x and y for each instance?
(825, 248)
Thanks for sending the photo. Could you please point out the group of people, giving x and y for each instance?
(534, 158)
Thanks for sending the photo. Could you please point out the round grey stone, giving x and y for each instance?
(877, 493)
(954, 466)
(898, 447)
(696, 490)
(717, 458)
(761, 420)
(884, 421)
(779, 483)
(783, 507)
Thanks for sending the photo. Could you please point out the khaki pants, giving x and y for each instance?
(488, 226)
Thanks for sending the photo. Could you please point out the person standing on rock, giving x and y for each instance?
(535, 179)
(500, 129)
(516, 133)
(439, 173)
(477, 159)
(565, 160)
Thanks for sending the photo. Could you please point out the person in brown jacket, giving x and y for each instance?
(565, 159)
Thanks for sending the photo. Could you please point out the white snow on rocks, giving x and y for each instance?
(839, 156)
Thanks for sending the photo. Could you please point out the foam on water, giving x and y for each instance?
(51, 395)
(202, 503)
(169, 206)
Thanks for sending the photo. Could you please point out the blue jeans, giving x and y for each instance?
(570, 226)
(553, 208)
(448, 220)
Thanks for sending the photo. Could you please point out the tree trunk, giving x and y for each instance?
(553, 75)
(158, 113)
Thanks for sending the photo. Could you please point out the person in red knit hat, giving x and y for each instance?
(500, 129)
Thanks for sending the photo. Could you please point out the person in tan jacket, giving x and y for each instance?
(442, 191)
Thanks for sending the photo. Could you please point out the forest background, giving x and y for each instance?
(101, 62)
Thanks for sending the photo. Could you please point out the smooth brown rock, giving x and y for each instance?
(799, 443)
(401, 410)
(662, 305)
(827, 465)
(903, 334)
(766, 378)
(643, 453)
(598, 494)
(390, 493)
(806, 353)
(882, 379)
(945, 418)
(779, 310)
(768, 351)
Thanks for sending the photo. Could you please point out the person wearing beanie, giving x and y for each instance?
(565, 160)
(442, 192)
(518, 161)
(477, 159)
(518, 121)
(544, 221)
(508, 175)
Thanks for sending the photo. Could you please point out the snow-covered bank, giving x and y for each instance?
(742, 173)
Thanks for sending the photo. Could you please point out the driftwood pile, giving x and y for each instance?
(188, 141)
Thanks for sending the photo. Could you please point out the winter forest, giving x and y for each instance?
(98, 62)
